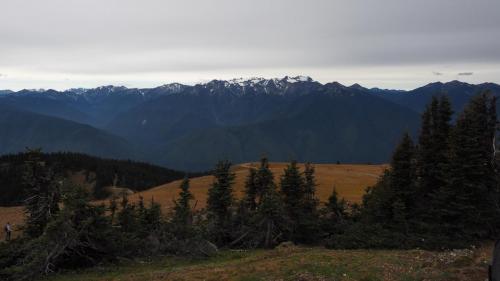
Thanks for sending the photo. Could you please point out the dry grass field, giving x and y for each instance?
(14, 215)
(350, 182)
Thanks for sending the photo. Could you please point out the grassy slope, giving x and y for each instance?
(299, 263)
(349, 180)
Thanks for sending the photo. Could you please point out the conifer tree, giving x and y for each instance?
(391, 200)
(150, 220)
(402, 177)
(250, 190)
(271, 218)
(308, 226)
(333, 215)
(310, 202)
(432, 160)
(292, 188)
(268, 224)
(219, 202)
(264, 179)
(264, 224)
(127, 218)
(113, 206)
(44, 194)
(182, 210)
(336, 206)
(468, 204)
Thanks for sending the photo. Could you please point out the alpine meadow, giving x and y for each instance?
(184, 140)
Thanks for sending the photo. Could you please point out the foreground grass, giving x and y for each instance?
(300, 263)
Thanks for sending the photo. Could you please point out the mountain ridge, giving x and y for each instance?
(241, 119)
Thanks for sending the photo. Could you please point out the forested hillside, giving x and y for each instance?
(98, 173)
(21, 129)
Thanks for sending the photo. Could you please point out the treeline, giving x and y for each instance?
(98, 172)
(442, 192)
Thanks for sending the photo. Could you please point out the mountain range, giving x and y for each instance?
(191, 127)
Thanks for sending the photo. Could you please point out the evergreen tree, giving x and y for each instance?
(402, 177)
(251, 189)
(113, 206)
(260, 217)
(433, 145)
(308, 227)
(150, 220)
(264, 179)
(219, 202)
(267, 226)
(271, 218)
(377, 201)
(333, 215)
(127, 218)
(391, 201)
(433, 161)
(79, 236)
(310, 202)
(182, 216)
(44, 194)
(292, 188)
(469, 203)
(337, 207)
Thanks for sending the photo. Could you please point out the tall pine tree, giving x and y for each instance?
(264, 179)
(470, 202)
(183, 216)
(432, 161)
(219, 202)
(44, 194)
(250, 197)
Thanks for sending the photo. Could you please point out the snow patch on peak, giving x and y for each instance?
(249, 82)
(39, 90)
(173, 87)
(77, 91)
(299, 78)
(245, 82)
(110, 88)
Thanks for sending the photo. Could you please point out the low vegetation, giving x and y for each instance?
(300, 263)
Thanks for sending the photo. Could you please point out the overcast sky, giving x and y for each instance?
(143, 43)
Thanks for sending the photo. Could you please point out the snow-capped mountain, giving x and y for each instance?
(240, 119)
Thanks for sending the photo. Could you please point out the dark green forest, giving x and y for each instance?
(440, 192)
(100, 172)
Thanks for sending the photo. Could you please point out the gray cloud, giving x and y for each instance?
(93, 40)
(437, 73)
(465, 73)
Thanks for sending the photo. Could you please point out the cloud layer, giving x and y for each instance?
(61, 43)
